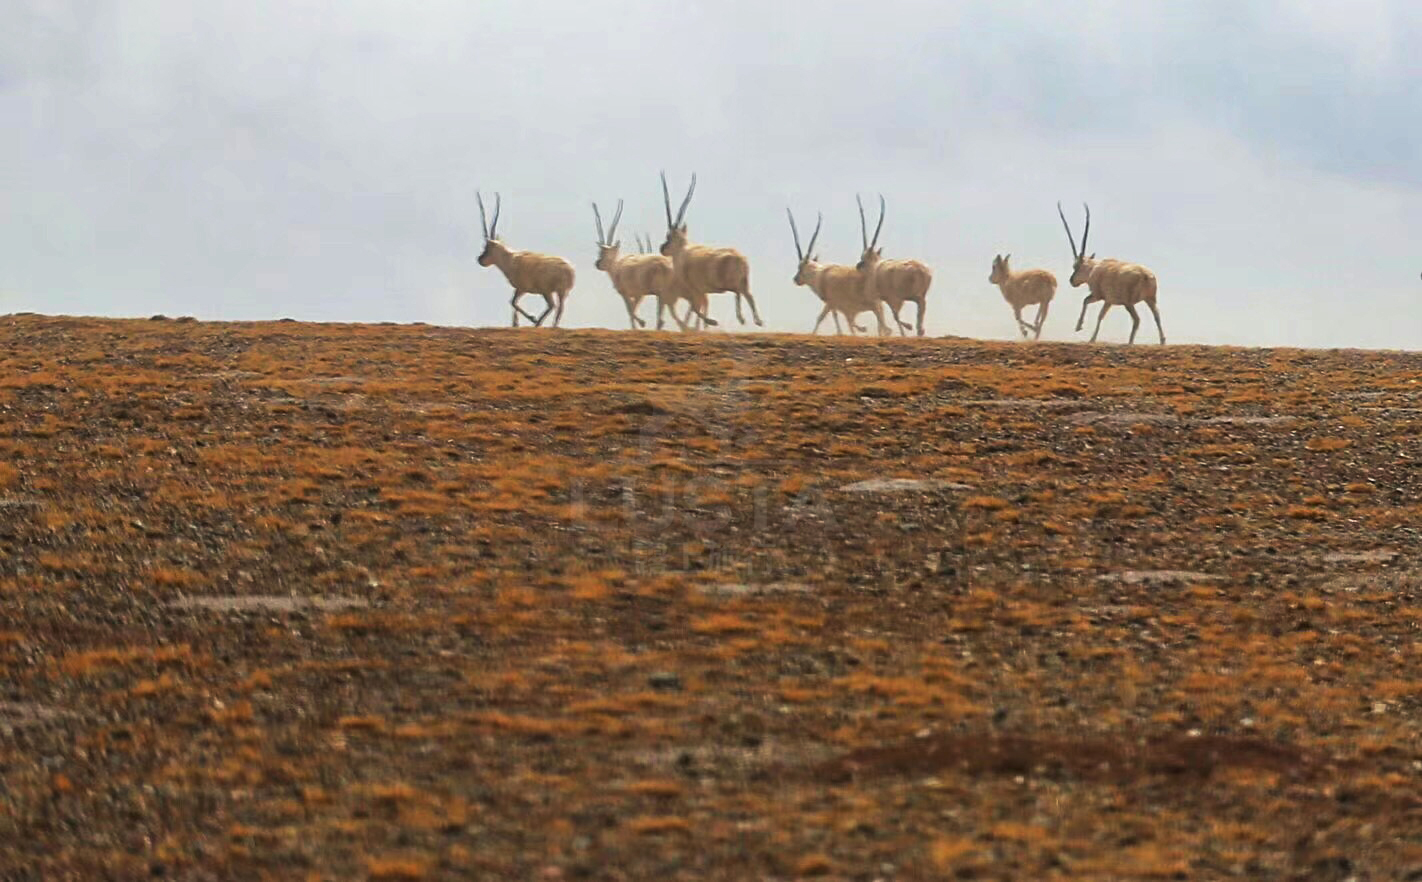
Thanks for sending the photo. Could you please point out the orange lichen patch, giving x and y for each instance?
(1327, 445)
(397, 869)
(658, 826)
(96, 660)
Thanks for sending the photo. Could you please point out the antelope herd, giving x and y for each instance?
(683, 270)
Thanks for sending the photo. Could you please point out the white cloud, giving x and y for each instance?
(320, 159)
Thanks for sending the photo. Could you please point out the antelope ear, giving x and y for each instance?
(1093, 255)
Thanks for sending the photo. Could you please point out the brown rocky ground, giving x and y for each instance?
(401, 602)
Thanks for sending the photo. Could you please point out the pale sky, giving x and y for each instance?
(247, 159)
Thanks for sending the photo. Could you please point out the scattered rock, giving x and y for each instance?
(1241, 420)
(738, 589)
(160, 317)
(1379, 555)
(14, 714)
(1124, 418)
(236, 603)
(665, 681)
(1159, 577)
(901, 485)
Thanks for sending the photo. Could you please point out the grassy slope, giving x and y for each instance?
(607, 613)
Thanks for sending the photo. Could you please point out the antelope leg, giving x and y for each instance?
(1155, 312)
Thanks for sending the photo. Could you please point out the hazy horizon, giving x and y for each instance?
(320, 160)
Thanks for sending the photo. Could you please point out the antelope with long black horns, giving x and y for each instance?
(527, 271)
(840, 288)
(1112, 282)
(704, 269)
(637, 276)
(895, 282)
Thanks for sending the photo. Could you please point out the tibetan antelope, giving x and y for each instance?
(703, 269)
(636, 276)
(1022, 289)
(695, 306)
(1110, 281)
(841, 288)
(632, 276)
(528, 271)
(894, 282)
(695, 311)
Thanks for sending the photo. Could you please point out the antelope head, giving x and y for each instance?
(808, 259)
(676, 238)
(492, 245)
(1000, 271)
(872, 252)
(1081, 265)
(607, 244)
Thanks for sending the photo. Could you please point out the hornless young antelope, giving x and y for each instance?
(1023, 289)
(703, 269)
(895, 282)
(841, 288)
(528, 271)
(1110, 281)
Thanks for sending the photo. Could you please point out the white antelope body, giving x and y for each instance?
(1022, 289)
(527, 271)
(895, 282)
(703, 269)
(1112, 282)
(842, 289)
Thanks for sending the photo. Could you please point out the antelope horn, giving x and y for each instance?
(1074, 253)
(666, 200)
(863, 225)
(597, 215)
(681, 212)
(1087, 231)
(880, 227)
(799, 252)
(498, 206)
(612, 230)
(483, 221)
(810, 251)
